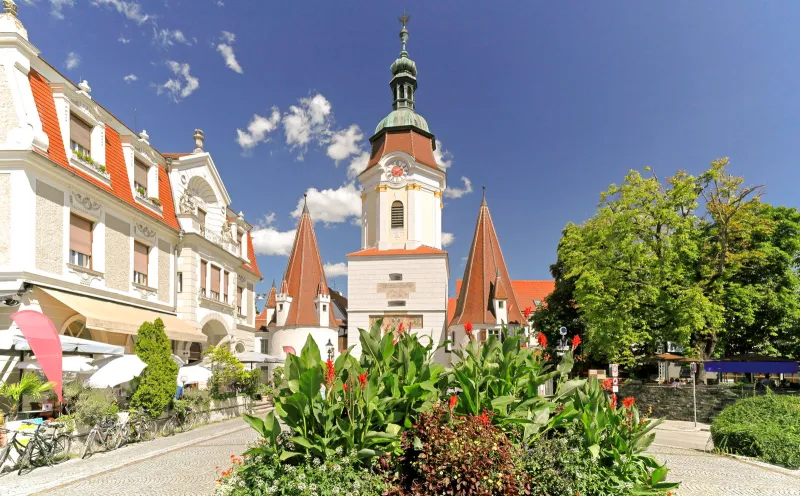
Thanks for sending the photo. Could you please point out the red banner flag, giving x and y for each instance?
(45, 343)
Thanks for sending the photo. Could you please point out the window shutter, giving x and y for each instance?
(140, 258)
(203, 264)
(140, 173)
(397, 214)
(227, 280)
(80, 235)
(80, 132)
(201, 214)
(239, 290)
(215, 275)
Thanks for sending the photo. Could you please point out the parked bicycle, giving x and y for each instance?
(48, 445)
(180, 420)
(135, 426)
(105, 435)
(17, 442)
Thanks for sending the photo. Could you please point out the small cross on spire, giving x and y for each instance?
(404, 19)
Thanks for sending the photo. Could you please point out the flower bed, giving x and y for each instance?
(410, 426)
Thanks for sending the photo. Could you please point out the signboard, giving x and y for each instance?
(694, 368)
(615, 384)
(614, 370)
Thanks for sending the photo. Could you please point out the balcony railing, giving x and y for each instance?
(218, 239)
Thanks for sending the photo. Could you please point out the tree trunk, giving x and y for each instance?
(709, 345)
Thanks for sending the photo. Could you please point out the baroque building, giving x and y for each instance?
(101, 231)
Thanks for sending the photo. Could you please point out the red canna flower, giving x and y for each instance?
(547, 357)
(362, 379)
(524, 345)
(330, 373)
(607, 384)
(628, 402)
(576, 340)
(401, 328)
(345, 387)
(394, 341)
(468, 329)
(484, 419)
(453, 402)
(613, 400)
(542, 339)
(527, 312)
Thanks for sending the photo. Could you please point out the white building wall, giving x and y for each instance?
(296, 337)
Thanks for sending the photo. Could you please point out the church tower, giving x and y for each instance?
(401, 272)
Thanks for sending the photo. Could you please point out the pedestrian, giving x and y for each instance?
(179, 392)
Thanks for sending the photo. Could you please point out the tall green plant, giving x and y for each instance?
(228, 375)
(30, 385)
(159, 379)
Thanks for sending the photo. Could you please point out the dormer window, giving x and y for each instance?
(80, 137)
(140, 172)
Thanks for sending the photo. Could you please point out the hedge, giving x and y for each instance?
(763, 427)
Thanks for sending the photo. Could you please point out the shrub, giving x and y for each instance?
(764, 427)
(93, 405)
(159, 380)
(277, 376)
(227, 373)
(458, 455)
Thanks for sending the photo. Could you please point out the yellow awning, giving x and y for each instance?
(114, 317)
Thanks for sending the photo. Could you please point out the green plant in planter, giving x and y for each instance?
(101, 168)
(30, 386)
(141, 191)
(83, 156)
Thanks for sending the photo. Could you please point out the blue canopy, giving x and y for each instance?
(786, 367)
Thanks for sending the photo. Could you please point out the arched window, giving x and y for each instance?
(77, 329)
(397, 215)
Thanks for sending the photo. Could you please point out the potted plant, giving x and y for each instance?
(140, 191)
(30, 385)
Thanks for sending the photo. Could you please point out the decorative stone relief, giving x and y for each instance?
(164, 273)
(240, 279)
(144, 230)
(396, 290)
(187, 202)
(86, 276)
(183, 179)
(84, 202)
(5, 219)
(391, 321)
(144, 291)
(226, 230)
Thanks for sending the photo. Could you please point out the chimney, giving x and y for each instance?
(198, 141)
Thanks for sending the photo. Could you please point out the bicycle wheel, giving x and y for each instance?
(4, 452)
(169, 427)
(60, 448)
(147, 429)
(122, 434)
(93, 443)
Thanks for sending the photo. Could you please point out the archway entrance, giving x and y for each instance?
(215, 332)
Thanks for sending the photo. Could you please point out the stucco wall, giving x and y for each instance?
(49, 228)
(164, 272)
(5, 215)
(188, 266)
(118, 254)
(8, 114)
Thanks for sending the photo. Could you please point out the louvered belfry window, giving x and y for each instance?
(397, 215)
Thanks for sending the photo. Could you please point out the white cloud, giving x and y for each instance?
(123, 40)
(220, 3)
(130, 10)
(335, 269)
(357, 165)
(183, 85)
(345, 143)
(165, 38)
(309, 120)
(130, 78)
(453, 192)
(269, 241)
(57, 7)
(258, 129)
(73, 61)
(447, 238)
(226, 50)
(332, 205)
(443, 158)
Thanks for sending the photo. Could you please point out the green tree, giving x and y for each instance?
(228, 375)
(30, 386)
(159, 380)
(559, 308)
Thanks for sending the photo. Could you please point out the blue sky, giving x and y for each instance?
(545, 103)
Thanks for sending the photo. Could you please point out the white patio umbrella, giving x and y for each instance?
(77, 364)
(13, 340)
(116, 370)
(193, 374)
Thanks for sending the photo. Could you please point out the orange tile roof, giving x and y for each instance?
(529, 291)
(115, 162)
(251, 266)
(271, 297)
(451, 306)
(304, 275)
(374, 252)
(485, 265)
(406, 140)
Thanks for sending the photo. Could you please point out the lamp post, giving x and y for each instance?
(329, 347)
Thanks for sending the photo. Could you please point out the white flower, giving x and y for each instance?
(356, 485)
(339, 452)
(316, 461)
(301, 486)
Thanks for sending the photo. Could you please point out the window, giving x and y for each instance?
(140, 177)
(397, 215)
(80, 136)
(265, 346)
(395, 277)
(225, 287)
(500, 304)
(239, 292)
(203, 265)
(324, 308)
(77, 329)
(201, 215)
(397, 303)
(280, 307)
(80, 241)
(216, 275)
(180, 282)
(140, 252)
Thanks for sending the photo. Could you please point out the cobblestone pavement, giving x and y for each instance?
(175, 465)
(707, 474)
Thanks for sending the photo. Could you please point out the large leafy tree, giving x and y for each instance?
(159, 380)
(559, 308)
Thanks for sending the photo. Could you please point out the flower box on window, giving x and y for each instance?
(89, 164)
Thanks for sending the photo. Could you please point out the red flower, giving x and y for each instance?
(524, 345)
(394, 341)
(576, 340)
(362, 379)
(345, 387)
(628, 402)
(484, 419)
(527, 312)
(401, 328)
(613, 400)
(542, 339)
(607, 384)
(453, 402)
(330, 373)
(468, 329)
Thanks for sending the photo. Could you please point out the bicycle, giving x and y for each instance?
(180, 420)
(48, 445)
(14, 444)
(135, 426)
(105, 434)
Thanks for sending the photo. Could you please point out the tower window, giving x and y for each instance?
(397, 215)
(395, 277)
(397, 303)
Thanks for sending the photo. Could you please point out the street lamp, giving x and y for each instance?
(563, 332)
(329, 347)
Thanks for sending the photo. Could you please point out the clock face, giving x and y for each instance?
(397, 171)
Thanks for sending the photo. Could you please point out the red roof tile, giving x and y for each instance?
(271, 297)
(406, 140)
(485, 265)
(529, 291)
(451, 306)
(374, 252)
(252, 266)
(115, 162)
(304, 275)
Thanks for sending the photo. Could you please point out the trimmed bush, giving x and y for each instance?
(159, 380)
(763, 427)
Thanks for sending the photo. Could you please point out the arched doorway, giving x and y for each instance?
(215, 332)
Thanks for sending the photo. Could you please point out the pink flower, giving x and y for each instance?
(607, 384)
(468, 329)
(401, 328)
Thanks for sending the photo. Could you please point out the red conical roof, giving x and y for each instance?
(485, 276)
(271, 297)
(304, 276)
